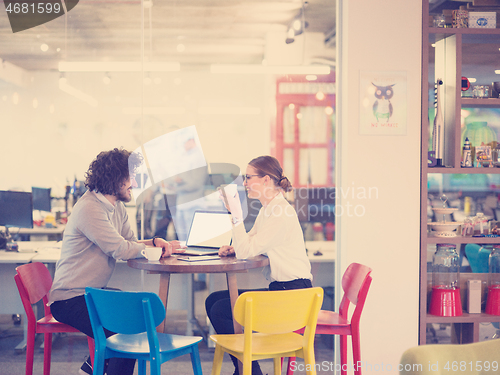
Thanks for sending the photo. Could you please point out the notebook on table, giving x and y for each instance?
(208, 232)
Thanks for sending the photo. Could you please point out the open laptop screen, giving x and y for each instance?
(210, 229)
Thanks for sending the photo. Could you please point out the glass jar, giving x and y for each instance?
(493, 300)
(445, 267)
(495, 153)
(480, 223)
(445, 298)
(468, 227)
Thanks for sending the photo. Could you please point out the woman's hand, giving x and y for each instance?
(226, 251)
(233, 205)
(169, 248)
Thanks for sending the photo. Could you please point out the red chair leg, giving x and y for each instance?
(30, 350)
(356, 352)
(343, 354)
(47, 352)
(289, 370)
(91, 349)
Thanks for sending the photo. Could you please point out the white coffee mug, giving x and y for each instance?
(152, 253)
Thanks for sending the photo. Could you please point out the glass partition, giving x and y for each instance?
(100, 75)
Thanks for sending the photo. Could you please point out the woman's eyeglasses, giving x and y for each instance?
(247, 177)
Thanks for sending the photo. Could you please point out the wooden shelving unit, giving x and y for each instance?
(465, 328)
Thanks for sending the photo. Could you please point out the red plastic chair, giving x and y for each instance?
(34, 282)
(355, 283)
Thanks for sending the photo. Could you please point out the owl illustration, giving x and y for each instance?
(382, 108)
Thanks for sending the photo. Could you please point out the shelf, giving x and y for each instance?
(480, 103)
(463, 31)
(448, 53)
(464, 318)
(460, 240)
(459, 170)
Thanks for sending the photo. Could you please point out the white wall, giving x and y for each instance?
(381, 36)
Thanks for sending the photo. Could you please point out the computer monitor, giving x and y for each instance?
(41, 199)
(315, 205)
(16, 209)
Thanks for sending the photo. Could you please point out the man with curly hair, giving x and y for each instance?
(97, 234)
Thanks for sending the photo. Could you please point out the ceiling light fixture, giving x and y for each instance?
(297, 25)
(269, 69)
(118, 66)
(229, 110)
(68, 89)
(154, 110)
(106, 79)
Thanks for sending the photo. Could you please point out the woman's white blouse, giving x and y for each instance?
(278, 235)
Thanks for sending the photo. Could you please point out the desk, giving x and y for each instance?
(322, 265)
(328, 250)
(11, 302)
(15, 257)
(228, 265)
(40, 233)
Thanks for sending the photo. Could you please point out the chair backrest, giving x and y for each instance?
(355, 283)
(123, 312)
(33, 282)
(424, 359)
(278, 311)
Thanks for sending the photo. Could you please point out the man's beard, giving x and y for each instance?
(124, 196)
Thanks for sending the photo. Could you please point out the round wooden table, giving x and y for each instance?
(228, 265)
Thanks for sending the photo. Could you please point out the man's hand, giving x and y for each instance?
(169, 248)
(226, 251)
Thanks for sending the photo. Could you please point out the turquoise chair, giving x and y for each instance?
(134, 316)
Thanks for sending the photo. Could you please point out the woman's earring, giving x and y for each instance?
(264, 184)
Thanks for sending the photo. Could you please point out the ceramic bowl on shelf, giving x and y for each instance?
(444, 229)
(444, 210)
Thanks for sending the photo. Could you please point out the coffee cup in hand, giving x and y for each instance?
(152, 253)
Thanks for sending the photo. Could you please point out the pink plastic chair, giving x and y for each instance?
(355, 283)
(34, 282)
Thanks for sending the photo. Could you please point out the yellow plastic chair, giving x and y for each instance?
(269, 319)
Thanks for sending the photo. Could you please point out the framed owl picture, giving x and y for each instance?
(383, 103)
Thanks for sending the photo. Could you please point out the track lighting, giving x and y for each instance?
(296, 26)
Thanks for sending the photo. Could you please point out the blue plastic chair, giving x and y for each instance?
(134, 316)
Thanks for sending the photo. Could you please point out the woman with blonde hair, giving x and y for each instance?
(276, 234)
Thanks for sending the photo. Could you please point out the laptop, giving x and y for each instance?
(208, 232)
